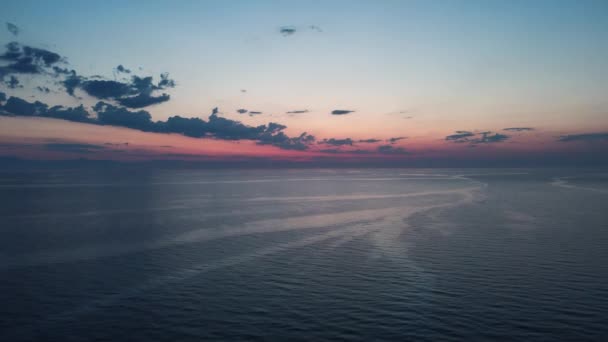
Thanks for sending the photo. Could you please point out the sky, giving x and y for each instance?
(340, 82)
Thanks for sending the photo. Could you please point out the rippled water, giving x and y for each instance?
(383, 254)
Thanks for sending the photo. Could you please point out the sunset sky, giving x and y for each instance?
(378, 82)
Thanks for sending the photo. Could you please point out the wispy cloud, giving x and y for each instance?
(476, 138)
(518, 129)
(337, 142)
(12, 28)
(341, 111)
(302, 111)
(390, 149)
(287, 30)
(73, 147)
(369, 141)
(589, 137)
(395, 139)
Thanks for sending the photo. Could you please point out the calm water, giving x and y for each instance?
(309, 254)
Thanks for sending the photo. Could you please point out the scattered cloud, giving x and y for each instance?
(369, 141)
(287, 30)
(402, 114)
(12, 28)
(251, 113)
(341, 112)
(242, 111)
(290, 30)
(121, 69)
(12, 82)
(589, 137)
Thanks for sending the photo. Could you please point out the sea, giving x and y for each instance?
(135, 254)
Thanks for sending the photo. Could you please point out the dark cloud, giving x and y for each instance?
(108, 114)
(281, 140)
(226, 129)
(460, 136)
(341, 112)
(103, 89)
(518, 129)
(297, 111)
(287, 30)
(12, 28)
(137, 93)
(45, 90)
(395, 139)
(369, 141)
(590, 137)
(142, 100)
(390, 149)
(2, 97)
(12, 82)
(23, 59)
(476, 138)
(73, 147)
(121, 69)
(242, 111)
(78, 114)
(20, 107)
(72, 82)
(337, 142)
(165, 82)
(119, 96)
(243, 90)
(63, 71)
(489, 137)
(190, 127)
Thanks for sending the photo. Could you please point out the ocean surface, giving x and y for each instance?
(327, 254)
